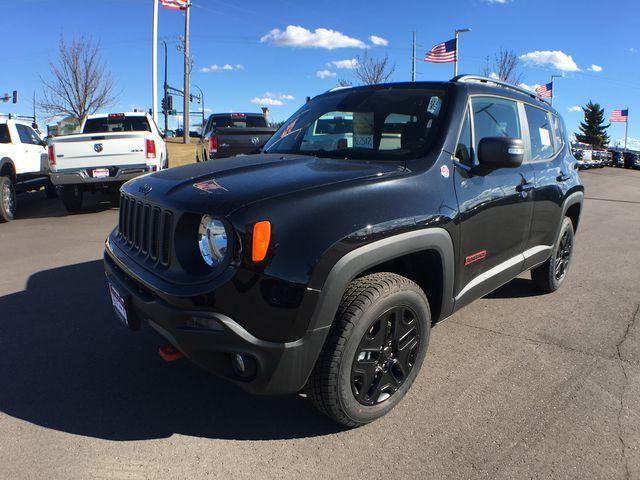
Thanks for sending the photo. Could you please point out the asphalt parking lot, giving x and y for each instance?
(517, 385)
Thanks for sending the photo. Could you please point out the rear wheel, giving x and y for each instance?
(7, 199)
(72, 198)
(551, 274)
(374, 351)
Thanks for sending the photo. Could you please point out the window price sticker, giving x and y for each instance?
(363, 130)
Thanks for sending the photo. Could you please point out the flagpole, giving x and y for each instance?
(553, 87)
(187, 74)
(154, 63)
(455, 63)
(413, 58)
(626, 129)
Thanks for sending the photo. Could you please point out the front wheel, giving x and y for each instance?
(72, 198)
(549, 276)
(374, 351)
(7, 199)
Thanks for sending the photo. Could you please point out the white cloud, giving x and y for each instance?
(595, 68)
(531, 88)
(633, 50)
(349, 63)
(494, 75)
(221, 68)
(554, 58)
(632, 143)
(379, 41)
(575, 108)
(501, 2)
(297, 36)
(325, 74)
(272, 99)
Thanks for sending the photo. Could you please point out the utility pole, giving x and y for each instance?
(553, 87)
(413, 58)
(166, 85)
(455, 63)
(154, 63)
(187, 74)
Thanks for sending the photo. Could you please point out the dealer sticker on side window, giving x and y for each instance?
(363, 130)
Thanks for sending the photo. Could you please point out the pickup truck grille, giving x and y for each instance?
(146, 229)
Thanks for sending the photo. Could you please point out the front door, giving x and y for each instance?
(496, 207)
(30, 150)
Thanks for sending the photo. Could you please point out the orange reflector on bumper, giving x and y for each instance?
(261, 239)
(169, 353)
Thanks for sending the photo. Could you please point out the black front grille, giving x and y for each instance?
(146, 229)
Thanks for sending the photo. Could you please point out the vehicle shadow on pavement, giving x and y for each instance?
(516, 288)
(68, 364)
(37, 205)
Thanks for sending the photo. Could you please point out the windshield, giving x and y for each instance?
(116, 123)
(371, 124)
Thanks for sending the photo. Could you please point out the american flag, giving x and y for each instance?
(619, 116)
(174, 4)
(545, 91)
(444, 52)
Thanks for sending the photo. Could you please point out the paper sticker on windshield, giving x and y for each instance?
(289, 128)
(363, 130)
(209, 186)
(434, 106)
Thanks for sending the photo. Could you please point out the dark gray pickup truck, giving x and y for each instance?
(229, 134)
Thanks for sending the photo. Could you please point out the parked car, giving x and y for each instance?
(228, 134)
(323, 270)
(111, 149)
(617, 159)
(23, 164)
(631, 160)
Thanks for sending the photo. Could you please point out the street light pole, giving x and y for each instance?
(455, 63)
(187, 72)
(166, 85)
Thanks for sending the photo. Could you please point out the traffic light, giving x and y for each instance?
(191, 97)
(169, 102)
(164, 105)
(15, 96)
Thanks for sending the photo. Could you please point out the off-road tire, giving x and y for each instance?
(7, 199)
(544, 276)
(72, 198)
(330, 385)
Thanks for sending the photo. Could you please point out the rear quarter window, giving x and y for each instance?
(541, 133)
(4, 133)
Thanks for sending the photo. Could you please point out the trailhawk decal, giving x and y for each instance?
(475, 257)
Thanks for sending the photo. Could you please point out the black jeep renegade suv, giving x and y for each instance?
(320, 264)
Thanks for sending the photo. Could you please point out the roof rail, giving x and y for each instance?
(500, 83)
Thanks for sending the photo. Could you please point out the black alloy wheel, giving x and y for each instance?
(385, 356)
(563, 256)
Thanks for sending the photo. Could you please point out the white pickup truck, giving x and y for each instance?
(23, 164)
(111, 149)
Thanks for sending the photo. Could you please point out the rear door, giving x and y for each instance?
(495, 207)
(546, 137)
(30, 150)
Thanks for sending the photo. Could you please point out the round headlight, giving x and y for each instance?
(212, 240)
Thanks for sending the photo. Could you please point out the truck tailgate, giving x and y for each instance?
(100, 150)
(233, 141)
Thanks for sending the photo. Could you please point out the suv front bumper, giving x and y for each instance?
(84, 175)
(211, 340)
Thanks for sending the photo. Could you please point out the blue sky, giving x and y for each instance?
(281, 66)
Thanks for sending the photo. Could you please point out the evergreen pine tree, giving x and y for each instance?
(593, 131)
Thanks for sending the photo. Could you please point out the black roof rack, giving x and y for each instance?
(500, 83)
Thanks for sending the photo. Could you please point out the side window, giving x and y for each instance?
(4, 133)
(23, 133)
(464, 149)
(494, 117)
(558, 133)
(540, 132)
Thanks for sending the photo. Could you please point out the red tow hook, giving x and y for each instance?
(169, 353)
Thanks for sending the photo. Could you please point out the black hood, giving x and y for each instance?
(222, 186)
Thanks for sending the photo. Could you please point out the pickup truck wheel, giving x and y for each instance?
(7, 199)
(72, 198)
(549, 276)
(50, 190)
(374, 350)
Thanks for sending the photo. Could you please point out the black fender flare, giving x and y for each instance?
(7, 161)
(572, 199)
(380, 251)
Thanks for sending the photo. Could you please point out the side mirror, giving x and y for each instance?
(501, 152)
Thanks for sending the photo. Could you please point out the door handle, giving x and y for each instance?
(562, 177)
(525, 187)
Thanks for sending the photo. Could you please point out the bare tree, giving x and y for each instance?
(342, 82)
(80, 83)
(505, 65)
(371, 70)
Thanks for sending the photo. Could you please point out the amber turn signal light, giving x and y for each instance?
(261, 239)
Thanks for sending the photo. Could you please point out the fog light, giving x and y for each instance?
(243, 365)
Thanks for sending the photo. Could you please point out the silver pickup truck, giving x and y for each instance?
(111, 149)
